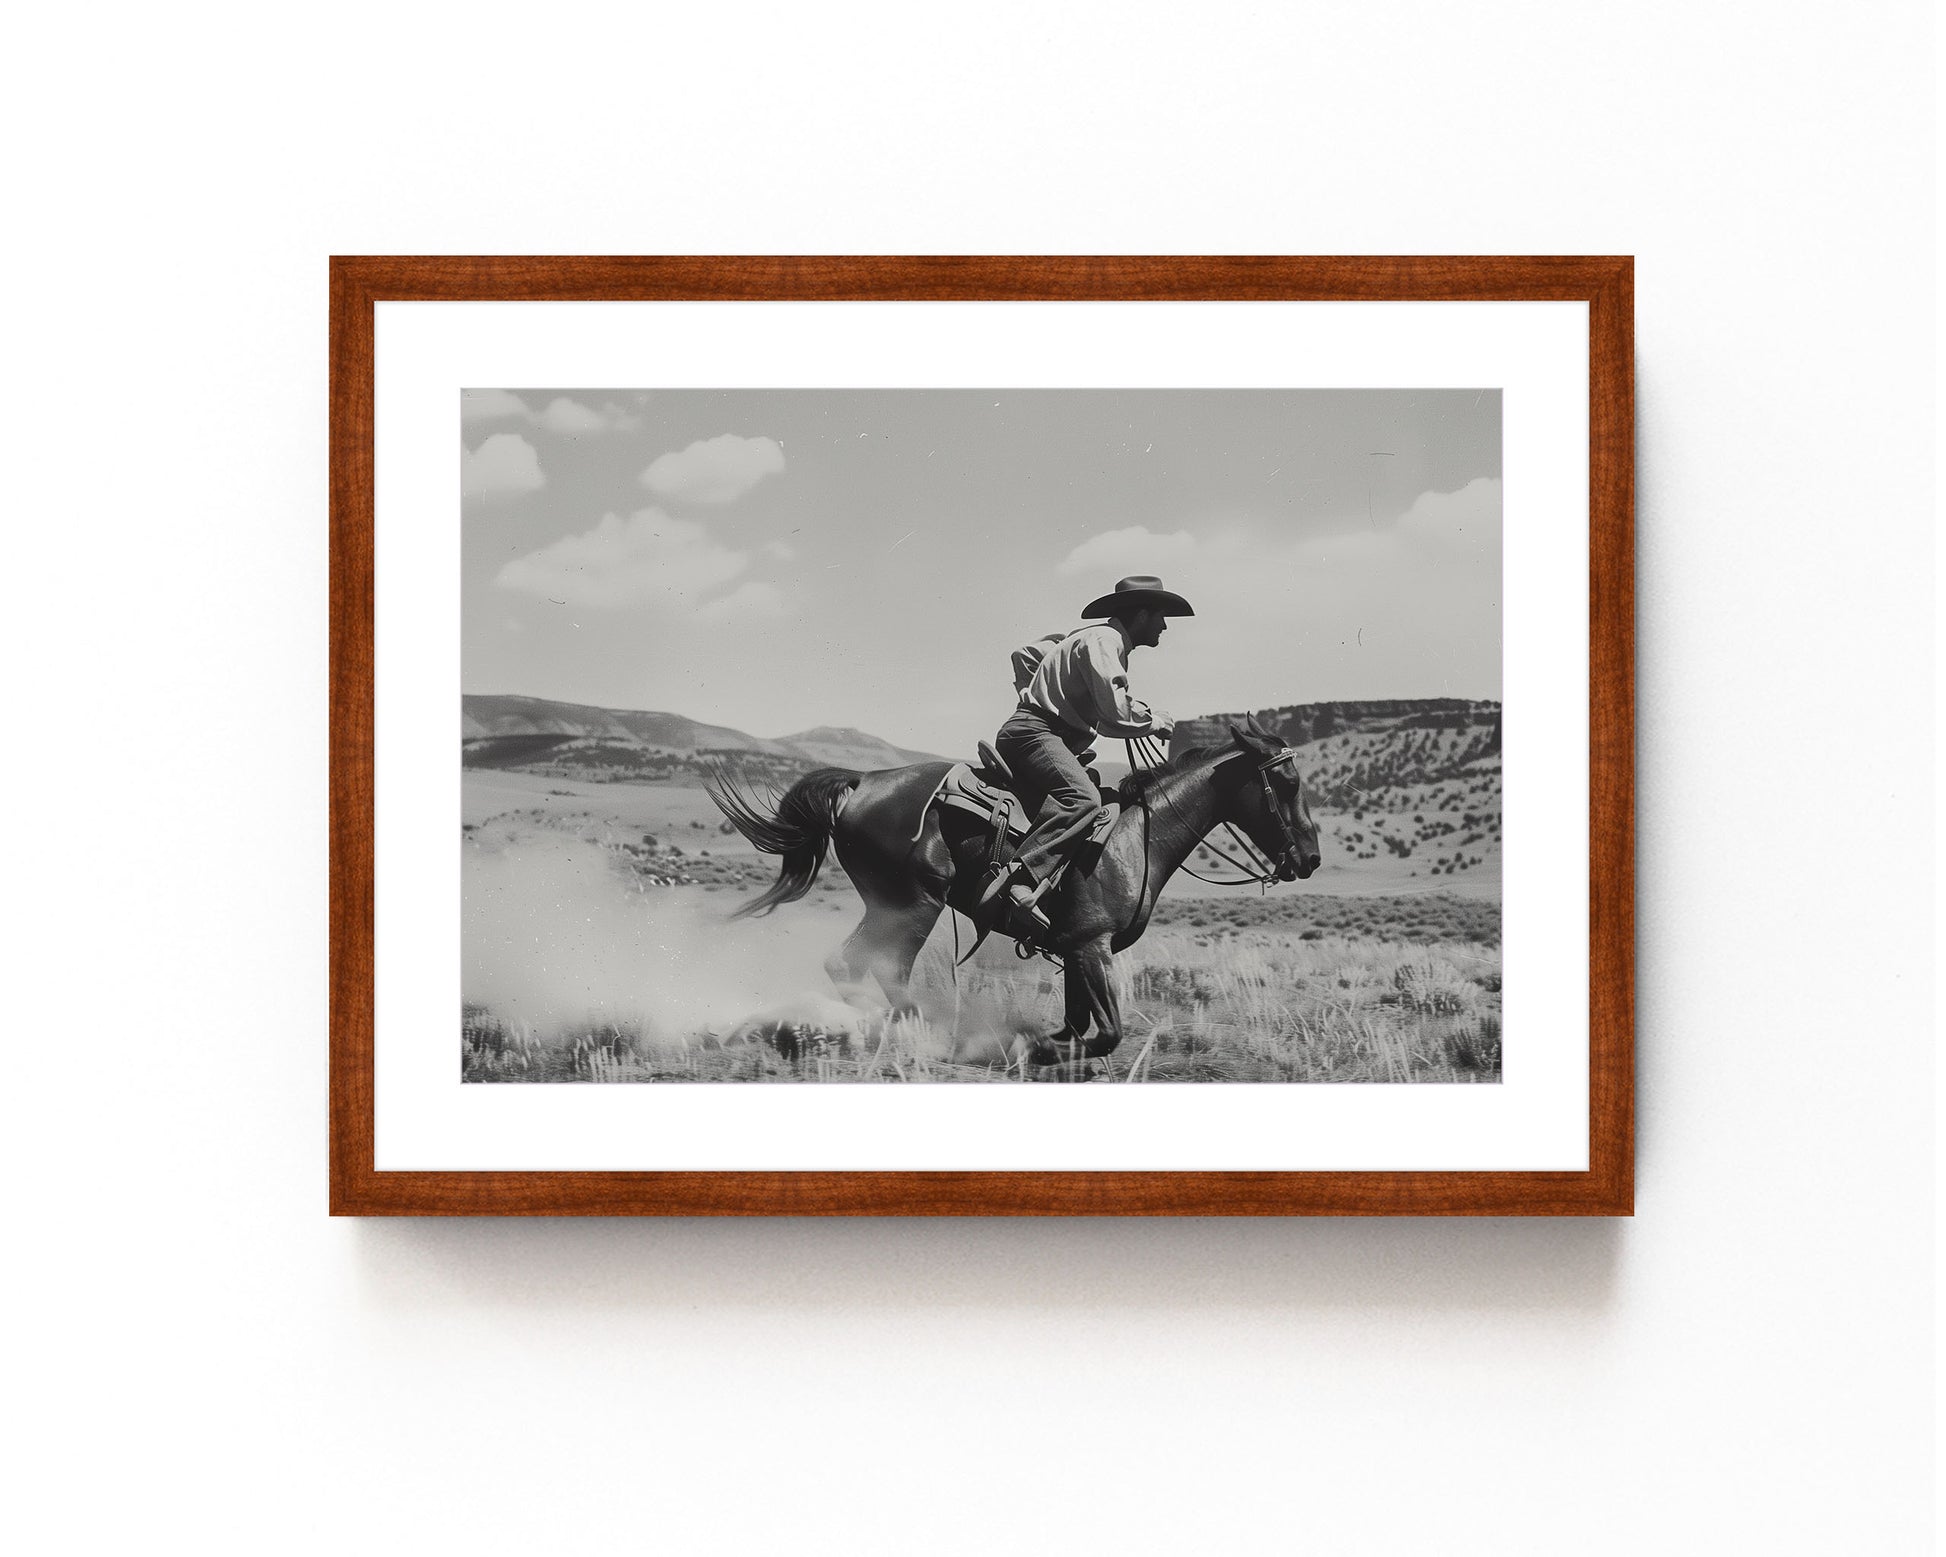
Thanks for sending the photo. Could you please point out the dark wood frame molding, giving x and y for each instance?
(1606, 283)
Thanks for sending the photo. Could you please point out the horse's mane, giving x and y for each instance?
(1140, 781)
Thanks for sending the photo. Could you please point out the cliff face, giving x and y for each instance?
(1299, 723)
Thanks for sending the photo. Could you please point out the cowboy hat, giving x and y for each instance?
(1134, 593)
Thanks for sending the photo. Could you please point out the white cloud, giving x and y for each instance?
(753, 597)
(565, 416)
(576, 420)
(490, 405)
(506, 462)
(714, 470)
(624, 562)
(780, 551)
(572, 417)
(1466, 520)
(1442, 526)
(1117, 553)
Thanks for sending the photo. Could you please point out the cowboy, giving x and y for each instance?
(1074, 687)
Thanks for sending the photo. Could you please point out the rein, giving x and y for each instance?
(1255, 866)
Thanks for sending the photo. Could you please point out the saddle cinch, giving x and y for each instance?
(987, 792)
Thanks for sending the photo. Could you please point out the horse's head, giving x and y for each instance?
(1273, 811)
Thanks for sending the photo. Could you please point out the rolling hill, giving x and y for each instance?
(574, 740)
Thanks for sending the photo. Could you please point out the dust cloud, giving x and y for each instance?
(556, 937)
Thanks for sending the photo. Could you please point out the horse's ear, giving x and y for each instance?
(1252, 737)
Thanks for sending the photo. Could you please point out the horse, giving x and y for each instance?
(911, 859)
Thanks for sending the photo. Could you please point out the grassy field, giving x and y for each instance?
(1358, 990)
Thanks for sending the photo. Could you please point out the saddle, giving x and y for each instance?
(987, 792)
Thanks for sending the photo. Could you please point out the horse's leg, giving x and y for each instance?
(853, 963)
(884, 946)
(847, 967)
(899, 949)
(1093, 967)
(1088, 980)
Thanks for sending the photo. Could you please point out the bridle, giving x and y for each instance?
(1287, 755)
(1255, 867)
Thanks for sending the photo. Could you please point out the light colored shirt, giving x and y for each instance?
(1082, 680)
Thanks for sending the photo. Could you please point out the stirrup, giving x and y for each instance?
(1028, 921)
(999, 878)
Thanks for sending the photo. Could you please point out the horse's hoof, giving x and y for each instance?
(1055, 1051)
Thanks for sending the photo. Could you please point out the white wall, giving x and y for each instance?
(206, 1359)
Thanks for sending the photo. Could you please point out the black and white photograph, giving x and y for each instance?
(981, 735)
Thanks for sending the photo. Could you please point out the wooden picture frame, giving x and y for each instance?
(1605, 284)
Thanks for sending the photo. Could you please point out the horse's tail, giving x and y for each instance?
(797, 826)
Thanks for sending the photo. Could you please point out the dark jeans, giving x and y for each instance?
(1051, 783)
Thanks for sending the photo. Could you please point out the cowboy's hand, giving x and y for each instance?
(1163, 721)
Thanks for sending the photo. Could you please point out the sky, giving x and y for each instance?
(775, 560)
